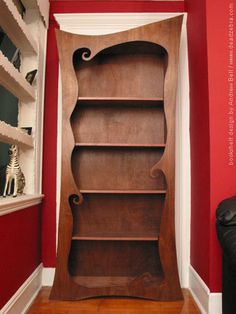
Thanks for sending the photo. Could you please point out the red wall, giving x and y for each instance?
(20, 249)
(212, 178)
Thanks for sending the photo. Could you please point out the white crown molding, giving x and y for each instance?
(208, 303)
(107, 23)
(25, 295)
(10, 204)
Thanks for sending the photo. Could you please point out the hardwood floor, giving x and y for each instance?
(112, 306)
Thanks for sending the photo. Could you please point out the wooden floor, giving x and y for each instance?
(111, 306)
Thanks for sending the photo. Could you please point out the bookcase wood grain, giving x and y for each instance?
(116, 224)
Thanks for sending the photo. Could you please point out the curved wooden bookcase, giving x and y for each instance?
(116, 225)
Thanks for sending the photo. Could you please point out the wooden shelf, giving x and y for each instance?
(13, 135)
(90, 238)
(112, 281)
(123, 191)
(120, 101)
(13, 24)
(14, 81)
(120, 145)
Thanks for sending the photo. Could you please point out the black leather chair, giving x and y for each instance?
(226, 231)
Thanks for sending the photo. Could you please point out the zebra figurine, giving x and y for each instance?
(13, 172)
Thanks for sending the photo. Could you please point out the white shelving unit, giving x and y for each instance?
(14, 81)
(16, 28)
(29, 34)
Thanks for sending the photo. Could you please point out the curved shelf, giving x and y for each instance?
(120, 101)
(16, 28)
(90, 238)
(14, 81)
(123, 191)
(120, 145)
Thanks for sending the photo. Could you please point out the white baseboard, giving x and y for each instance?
(25, 295)
(48, 276)
(208, 303)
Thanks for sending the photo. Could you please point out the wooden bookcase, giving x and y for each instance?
(116, 229)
